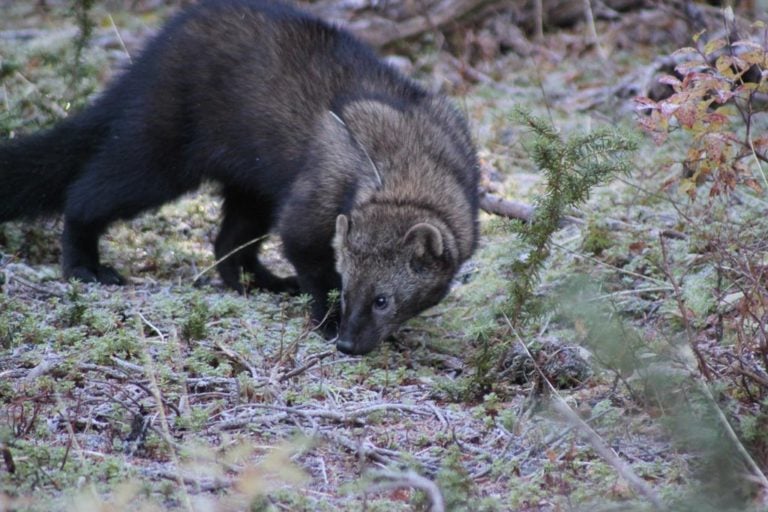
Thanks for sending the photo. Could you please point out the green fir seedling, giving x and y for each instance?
(81, 11)
(571, 168)
(76, 306)
(194, 327)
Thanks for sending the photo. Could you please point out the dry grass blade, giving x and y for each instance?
(594, 439)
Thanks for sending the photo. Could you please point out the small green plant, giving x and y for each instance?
(81, 11)
(76, 308)
(596, 239)
(456, 486)
(194, 327)
(571, 169)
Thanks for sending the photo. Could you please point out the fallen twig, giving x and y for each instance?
(197, 484)
(365, 450)
(594, 439)
(35, 287)
(757, 473)
(380, 30)
(352, 416)
(239, 359)
(312, 361)
(497, 205)
(386, 479)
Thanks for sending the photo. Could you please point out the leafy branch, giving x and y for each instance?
(719, 87)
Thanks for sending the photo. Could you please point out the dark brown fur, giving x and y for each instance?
(305, 130)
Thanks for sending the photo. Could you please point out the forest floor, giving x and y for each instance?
(174, 393)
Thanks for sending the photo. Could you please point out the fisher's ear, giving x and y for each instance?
(425, 242)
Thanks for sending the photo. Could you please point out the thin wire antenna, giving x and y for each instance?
(119, 38)
(379, 182)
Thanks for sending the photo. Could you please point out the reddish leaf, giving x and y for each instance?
(685, 67)
(403, 495)
(716, 118)
(668, 109)
(723, 95)
(644, 103)
(687, 115)
(760, 142)
(754, 185)
(670, 80)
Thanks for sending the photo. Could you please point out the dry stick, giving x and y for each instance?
(215, 484)
(704, 371)
(752, 375)
(365, 450)
(369, 450)
(608, 265)
(702, 363)
(538, 6)
(313, 360)
(756, 471)
(230, 253)
(592, 30)
(34, 287)
(497, 205)
(757, 162)
(79, 452)
(479, 76)
(153, 327)
(606, 452)
(387, 480)
(48, 363)
(166, 430)
(344, 416)
(613, 295)
(594, 439)
(52, 104)
(379, 30)
(238, 358)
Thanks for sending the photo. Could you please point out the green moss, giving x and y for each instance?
(596, 239)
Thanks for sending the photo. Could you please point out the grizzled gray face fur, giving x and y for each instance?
(412, 222)
(388, 275)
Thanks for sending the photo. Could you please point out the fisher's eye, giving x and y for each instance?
(380, 302)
